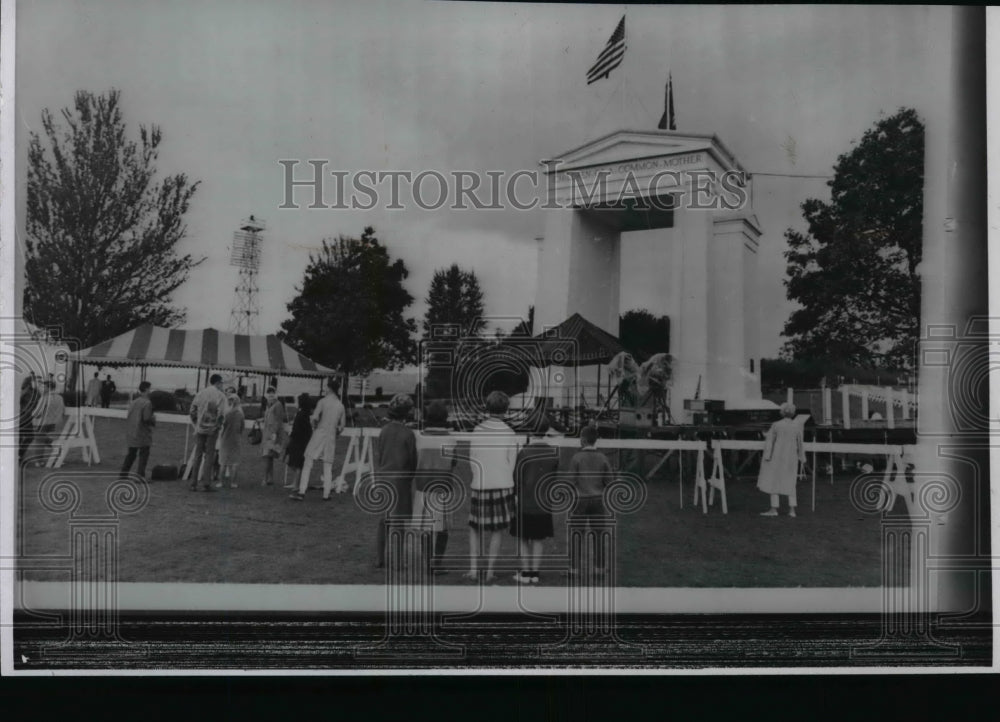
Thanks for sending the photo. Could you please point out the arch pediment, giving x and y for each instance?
(623, 146)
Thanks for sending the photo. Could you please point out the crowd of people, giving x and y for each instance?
(504, 490)
(504, 494)
(219, 422)
(420, 478)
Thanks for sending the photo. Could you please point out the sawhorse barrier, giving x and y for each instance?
(77, 433)
(360, 456)
(715, 482)
(895, 485)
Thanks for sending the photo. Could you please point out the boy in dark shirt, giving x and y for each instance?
(434, 486)
(532, 522)
(395, 462)
(591, 474)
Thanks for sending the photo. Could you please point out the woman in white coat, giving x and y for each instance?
(328, 421)
(779, 469)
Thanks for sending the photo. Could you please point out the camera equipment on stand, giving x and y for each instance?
(642, 393)
(704, 412)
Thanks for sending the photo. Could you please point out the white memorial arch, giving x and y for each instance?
(706, 257)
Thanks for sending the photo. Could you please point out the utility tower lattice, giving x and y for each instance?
(245, 255)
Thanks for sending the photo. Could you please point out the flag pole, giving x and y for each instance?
(624, 69)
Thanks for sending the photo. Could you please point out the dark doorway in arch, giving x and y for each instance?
(634, 214)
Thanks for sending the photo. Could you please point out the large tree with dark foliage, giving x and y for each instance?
(101, 241)
(349, 312)
(644, 334)
(454, 302)
(526, 326)
(780, 374)
(854, 272)
(455, 297)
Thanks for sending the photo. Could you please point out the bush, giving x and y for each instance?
(182, 393)
(163, 401)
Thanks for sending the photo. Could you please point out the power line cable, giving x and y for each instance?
(791, 175)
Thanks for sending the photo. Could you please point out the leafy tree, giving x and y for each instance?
(854, 272)
(454, 297)
(349, 310)
(101, 232)
(644, 334)
(526, 326)
(779, 374)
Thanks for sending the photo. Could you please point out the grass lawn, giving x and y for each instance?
(256, 534)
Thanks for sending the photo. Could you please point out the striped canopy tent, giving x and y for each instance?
(577, 342)
(150, 345)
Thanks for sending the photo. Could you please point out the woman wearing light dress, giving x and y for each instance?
(229, 441)
(328, 420)
(272, 444)
(784, 450)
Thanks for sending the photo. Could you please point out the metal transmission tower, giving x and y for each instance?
(245, 255)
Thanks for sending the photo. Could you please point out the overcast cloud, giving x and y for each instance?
(237, 86)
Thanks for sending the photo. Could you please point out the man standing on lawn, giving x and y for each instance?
(94, 390)
(207, 411)
(108, 389)
(139, 425)
(328, 420)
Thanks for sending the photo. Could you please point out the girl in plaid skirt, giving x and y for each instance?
(492, 497)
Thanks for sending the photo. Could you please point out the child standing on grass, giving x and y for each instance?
(298, 440)
(274, 435)
(229, 441)
(532, 522)
(591, 473)
(434, 480)
(492, 488)
(395, 462)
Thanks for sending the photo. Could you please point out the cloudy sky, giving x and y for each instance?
(238, 86)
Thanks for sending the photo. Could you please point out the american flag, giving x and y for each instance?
(611, 57)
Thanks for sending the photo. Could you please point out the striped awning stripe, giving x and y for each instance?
(154, 346)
